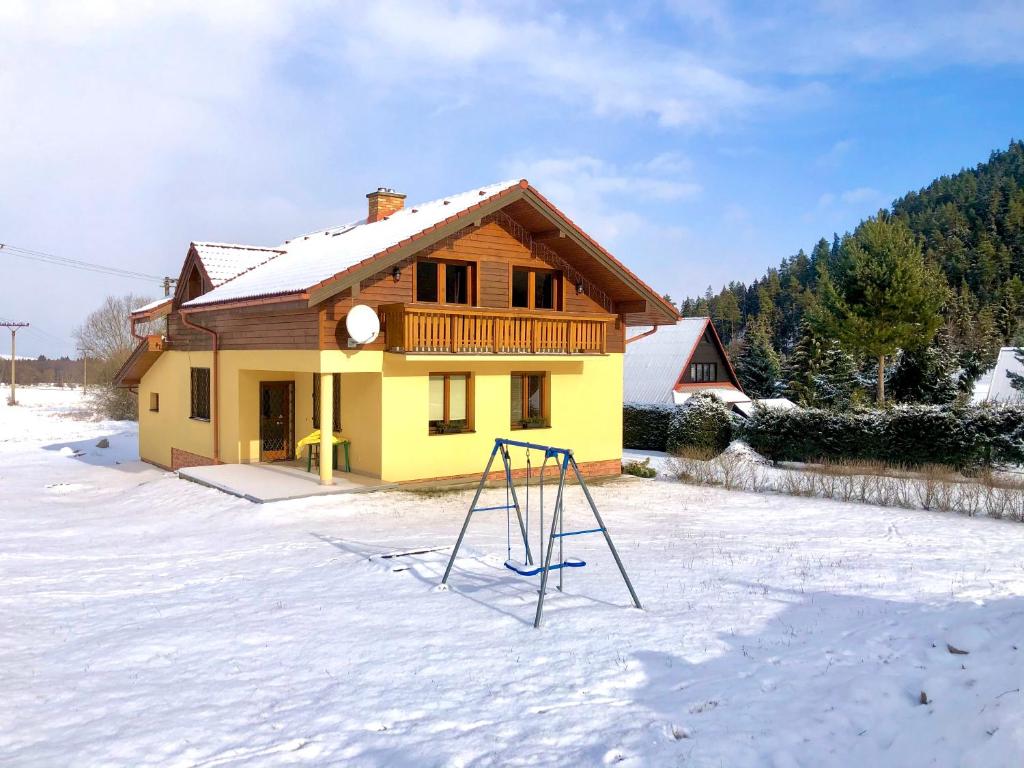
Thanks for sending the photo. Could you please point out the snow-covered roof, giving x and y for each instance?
(1001, 389)
(310, 259)
(152, 305)
(224, 261)
(654, 363)
(725, 392)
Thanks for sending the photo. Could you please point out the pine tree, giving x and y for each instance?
(883, 296)
(836, 380)
(803, 367)
(758, 365)
(927, 375)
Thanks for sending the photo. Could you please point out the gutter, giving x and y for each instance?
(215, 411)
(643, 335)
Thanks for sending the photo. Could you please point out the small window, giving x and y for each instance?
(336, 398)
(529, 406)
(701, 372)
(154, 401)
(200, 394)
(450, 403)
(426, 281)
(535, 288)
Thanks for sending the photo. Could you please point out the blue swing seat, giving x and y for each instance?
(532, 570)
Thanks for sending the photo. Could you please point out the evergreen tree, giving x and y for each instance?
(927, 374)
(758, 365)
(803, 367)
(836, 381)
(883, 296)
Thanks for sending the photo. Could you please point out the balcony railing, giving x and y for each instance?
(471, 330)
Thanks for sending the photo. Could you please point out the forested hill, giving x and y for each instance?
(971, 225)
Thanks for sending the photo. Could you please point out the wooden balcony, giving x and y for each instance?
(476, 331)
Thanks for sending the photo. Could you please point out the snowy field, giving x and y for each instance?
(145, 620)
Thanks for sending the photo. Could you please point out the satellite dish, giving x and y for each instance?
(362, 324)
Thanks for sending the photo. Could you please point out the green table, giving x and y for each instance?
(310, 451)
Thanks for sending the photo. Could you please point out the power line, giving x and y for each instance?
(87, 266)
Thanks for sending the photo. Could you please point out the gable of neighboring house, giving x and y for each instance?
(668, 365)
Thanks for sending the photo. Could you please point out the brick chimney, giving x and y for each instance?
(383, 203)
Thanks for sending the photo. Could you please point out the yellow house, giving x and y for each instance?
(496, 315)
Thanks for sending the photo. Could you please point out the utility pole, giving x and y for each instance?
(14, 356)
(85, 371)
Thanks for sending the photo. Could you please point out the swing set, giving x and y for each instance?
(563, 462)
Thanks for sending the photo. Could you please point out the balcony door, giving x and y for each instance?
(277, 420)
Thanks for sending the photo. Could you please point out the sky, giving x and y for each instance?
(700, 142)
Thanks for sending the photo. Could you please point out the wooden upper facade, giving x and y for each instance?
(518, 279)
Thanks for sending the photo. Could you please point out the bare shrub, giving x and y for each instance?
(731, 470)
(945, 496)
(693, 465)
(759, 480)
(930, 479)
(903, 491)
(969, 498)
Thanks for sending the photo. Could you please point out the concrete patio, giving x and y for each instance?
(261, 483)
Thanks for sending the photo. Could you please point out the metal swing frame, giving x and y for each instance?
(565, 461)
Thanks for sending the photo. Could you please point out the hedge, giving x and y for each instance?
(703, 421)
(645, 427)
(913, 435)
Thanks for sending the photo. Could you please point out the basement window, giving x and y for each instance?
(200, 395)
(154, 402)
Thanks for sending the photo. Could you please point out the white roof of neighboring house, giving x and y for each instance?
(729, 395)
(1001, 389)
(224, 261)
(653, 364)
(310, 259)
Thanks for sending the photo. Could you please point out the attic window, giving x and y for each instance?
(701, 372)
(194, 285)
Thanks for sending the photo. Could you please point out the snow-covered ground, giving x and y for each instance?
(145, 620)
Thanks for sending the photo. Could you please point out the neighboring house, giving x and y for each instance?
(498, 315)
(668, 364)
(996, 386)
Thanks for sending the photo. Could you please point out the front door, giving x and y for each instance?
(277, 420)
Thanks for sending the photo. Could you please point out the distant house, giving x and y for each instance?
(996, 386)
(669, 364)
(496, 315)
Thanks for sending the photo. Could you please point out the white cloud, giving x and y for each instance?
(836, 153)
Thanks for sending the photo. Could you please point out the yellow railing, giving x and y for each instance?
(413, 328)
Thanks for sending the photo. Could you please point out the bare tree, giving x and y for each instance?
(106, 335)
(106, 339)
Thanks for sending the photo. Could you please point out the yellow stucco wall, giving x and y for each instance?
(586, 412)
(171, 425)
(384, 407)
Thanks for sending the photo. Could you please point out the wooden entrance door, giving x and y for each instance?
(277, 420)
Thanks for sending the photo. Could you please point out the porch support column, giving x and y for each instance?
(326, 432)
